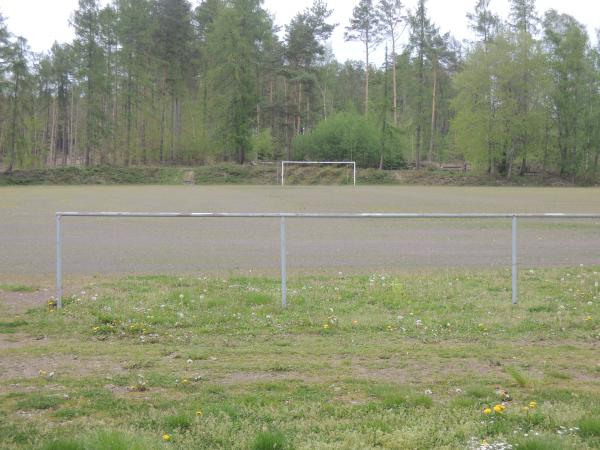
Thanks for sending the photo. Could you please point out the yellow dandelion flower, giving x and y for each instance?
(487, 411)
(355, 322)
(499, 409)
(166, 437)
(199, 413)
(326, 326)
(532, 405)
(525, 408)
(588, 318)
(185, 381)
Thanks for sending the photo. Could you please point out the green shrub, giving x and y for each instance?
(262, 146)
(349, 137)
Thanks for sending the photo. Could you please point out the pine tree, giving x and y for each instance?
(87, 44)
(18, 79)
(305, 38)
(523, 16)
(391, 20)
(63, 72)
(421, 35)
(235, 52)
(365, 27)
(484, 22)
(173, 44)
(134, 34)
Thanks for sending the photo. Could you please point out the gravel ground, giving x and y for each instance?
(103, 247)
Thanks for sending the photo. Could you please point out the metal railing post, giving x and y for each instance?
(58, 263)
(282, 171)
(354, 165)
(283, 265)
(515, 267)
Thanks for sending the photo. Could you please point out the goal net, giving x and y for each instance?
(285, 166)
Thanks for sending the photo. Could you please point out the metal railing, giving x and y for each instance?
(282, 235)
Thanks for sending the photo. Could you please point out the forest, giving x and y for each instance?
(151, 82)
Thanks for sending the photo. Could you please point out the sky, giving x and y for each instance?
(42, 22)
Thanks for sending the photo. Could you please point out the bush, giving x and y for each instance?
(349, 137)
(262, 146)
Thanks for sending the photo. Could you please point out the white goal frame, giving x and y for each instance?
(337, 163)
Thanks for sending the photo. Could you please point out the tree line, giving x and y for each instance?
(168, 82)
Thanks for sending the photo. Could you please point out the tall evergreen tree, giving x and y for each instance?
(87, 44)
(134, 34)
(305, 38)
(391, 20)
(63, 72)
(486, 25)
(484, 22)
(365, 27)
(173, 44)
(421, 35)
(235, 53)
(523, 16)
(18, 80)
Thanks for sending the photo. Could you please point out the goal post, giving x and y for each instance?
(316, 163)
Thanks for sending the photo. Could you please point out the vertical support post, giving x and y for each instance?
(515, 267)
(283, 265)
(354, 165)
(59, 286)
(282, 171)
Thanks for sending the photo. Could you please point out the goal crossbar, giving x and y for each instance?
(314, 163)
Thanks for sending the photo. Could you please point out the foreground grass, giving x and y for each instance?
(353, 362)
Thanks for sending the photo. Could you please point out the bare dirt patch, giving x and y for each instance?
(19, 302)
(27, 367)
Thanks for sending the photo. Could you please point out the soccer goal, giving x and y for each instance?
(315, 163)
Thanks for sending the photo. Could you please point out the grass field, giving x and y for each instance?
(398, 335)
(355, 362)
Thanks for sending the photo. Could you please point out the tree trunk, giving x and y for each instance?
(367, 76)
(433, 106)
(53, 146)
(13, 137)
(298, 109)
(510, 161)
(394, 83)
(128, 111)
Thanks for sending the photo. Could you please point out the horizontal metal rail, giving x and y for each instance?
(319, 162)
(283, 216)
(340, 215)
